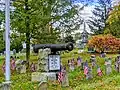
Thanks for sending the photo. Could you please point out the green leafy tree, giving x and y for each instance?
(16, 41)
(2, 35)
(77, 36)
(113, 22)
(69, 39)
(2, 41)
(41, 19)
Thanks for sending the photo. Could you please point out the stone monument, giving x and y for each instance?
(43, 60)
(49, 60)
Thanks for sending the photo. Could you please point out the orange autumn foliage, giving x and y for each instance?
(104, 43)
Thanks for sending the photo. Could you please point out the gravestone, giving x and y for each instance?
(86, 63)
(65, 81)
(103, 55)
(23, 69)
(43, 86)
(108, 66)
(79, 61)
(14, 52)
(71, 65)
(18, 64)
(89, 74)
(93, 60)
(0, 54)
(116, 65)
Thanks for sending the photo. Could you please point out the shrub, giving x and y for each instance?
(103, 43)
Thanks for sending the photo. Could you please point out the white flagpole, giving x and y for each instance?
(7, 44)
(7, 39)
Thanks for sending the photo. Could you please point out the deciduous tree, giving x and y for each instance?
(42, 20)
(113, 22)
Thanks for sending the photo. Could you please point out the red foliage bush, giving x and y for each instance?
(103, 43)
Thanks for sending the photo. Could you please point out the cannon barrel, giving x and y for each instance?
(54, 47)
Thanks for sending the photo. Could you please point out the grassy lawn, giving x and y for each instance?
(77, 80)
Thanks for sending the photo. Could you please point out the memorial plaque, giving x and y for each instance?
(54, 62)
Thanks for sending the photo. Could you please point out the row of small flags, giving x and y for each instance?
(86, 70)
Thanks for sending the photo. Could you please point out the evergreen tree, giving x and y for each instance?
(97, 22)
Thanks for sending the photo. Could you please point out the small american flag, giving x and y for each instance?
(99, 72)
(13, 65)
(3, 67)
(60, 77)
(85, 70)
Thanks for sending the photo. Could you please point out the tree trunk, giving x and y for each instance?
(27, 48)
(27, 33)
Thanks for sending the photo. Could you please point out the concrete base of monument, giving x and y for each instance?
(45, 76)
(50, 75)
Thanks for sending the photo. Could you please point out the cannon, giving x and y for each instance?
(54, 47)
(53, 62)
